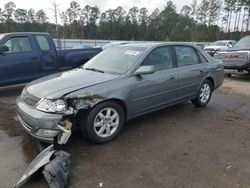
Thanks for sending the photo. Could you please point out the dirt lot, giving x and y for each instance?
(181, 146)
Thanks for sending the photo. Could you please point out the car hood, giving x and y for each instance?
(235, 48)
(59, 84)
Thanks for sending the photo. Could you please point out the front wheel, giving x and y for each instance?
(204, 95)
(103, 123)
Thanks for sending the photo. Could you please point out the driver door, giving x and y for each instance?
(18, 64)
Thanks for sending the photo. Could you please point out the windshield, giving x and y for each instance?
(220, 43)
(243, 43)
(115, 60)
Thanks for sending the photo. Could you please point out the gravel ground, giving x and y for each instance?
(181, 146)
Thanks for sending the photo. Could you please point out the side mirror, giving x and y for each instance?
(142, 70)
(3, 49)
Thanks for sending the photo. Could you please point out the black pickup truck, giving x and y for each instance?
(27, 56)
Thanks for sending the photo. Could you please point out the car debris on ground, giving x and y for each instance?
(57, 171)
(56, 168)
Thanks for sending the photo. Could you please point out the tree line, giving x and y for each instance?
(206, 20)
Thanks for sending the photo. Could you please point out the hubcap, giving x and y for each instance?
(106, 122)
(205, 93)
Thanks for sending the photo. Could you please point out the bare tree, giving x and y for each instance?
(214, 11)
(245, 20)
(55, 10)
(237, 11)
(194, 9)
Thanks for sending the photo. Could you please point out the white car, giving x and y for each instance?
(219, 45)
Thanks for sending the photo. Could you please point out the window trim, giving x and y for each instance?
(172, 55)
(195, 50)
(37, 35)
(18, 36)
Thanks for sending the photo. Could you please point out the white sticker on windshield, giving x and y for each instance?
(132, 52)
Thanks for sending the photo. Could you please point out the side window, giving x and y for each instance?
(18, 45)
(43, 43)
(160, 58)
(202, 58)
(186, 56)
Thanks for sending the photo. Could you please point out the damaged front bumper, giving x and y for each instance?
(43, 126)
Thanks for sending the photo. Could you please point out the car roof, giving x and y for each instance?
(25, 33)
(149, 45)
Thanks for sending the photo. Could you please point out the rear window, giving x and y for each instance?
(43, 43)
(186, 56)
(202, 58)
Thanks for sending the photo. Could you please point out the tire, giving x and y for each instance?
(229, 75)
(204, 95)
(100, 127)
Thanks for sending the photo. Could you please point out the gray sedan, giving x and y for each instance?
(121, 83)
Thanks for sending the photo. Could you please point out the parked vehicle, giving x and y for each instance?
(236, 59)
(120, 83)
(27, 56)
(199, 44)
(219, 45)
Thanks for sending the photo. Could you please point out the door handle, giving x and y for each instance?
(34, 57)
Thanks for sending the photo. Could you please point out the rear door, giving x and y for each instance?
(19, 63)
(191, 72)
(160, 88)
(48, 54)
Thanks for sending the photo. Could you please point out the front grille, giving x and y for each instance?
(29, 99)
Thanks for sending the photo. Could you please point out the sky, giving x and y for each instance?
(103, 4)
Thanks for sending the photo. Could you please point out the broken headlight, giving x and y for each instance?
(58, 105)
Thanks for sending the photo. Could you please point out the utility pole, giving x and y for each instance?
(55, 9)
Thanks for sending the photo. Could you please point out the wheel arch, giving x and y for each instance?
(211, 80)
(120, 102)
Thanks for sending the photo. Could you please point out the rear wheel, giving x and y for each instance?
(204, 95)
(103, 123)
